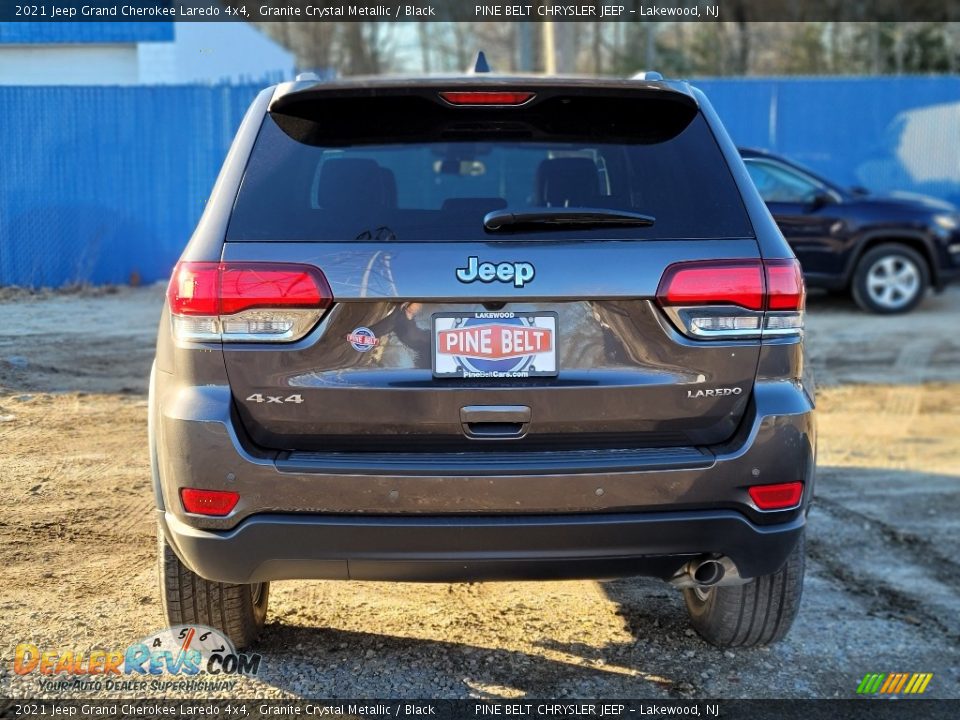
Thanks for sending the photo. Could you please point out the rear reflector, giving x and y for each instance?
(215, 503)
(716, 299)
(487, 98)
(248, 302)
(776, 497)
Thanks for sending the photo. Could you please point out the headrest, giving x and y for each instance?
(389, 183)
(344, 181)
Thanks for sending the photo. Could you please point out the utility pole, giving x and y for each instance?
(549, 48)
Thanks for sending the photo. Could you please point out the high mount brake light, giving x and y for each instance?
(781, 496)
(718, 299)
(246, 302)
(499, 97)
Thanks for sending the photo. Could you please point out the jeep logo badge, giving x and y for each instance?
(519, 273)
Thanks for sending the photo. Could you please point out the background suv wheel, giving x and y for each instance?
(890, 278)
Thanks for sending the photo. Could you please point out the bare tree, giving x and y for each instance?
(738, 47)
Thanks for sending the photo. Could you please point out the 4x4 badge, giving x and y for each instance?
(519, 273)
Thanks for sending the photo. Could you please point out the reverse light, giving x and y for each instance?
(215, 503)
(736, 299)
(500, 97)
(702, 324)
(781, 496)
(246, 302)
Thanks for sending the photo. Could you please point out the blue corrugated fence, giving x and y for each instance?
(883, 133)
(104, 184)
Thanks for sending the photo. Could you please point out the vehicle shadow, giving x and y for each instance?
(353, 664)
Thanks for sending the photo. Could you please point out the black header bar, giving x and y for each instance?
(479, 10)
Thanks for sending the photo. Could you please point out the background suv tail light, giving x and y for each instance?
(734, 298)
(246, 302)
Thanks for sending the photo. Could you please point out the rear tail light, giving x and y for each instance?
(499, 97)
(215, 503)
(246, 302)
(784, 285)
(781, 496)
(714, 283)
(734, 298)
(786, 297)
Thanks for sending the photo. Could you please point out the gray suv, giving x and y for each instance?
(484, 328)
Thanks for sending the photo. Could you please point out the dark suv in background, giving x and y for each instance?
(886, 250)
(484, 328)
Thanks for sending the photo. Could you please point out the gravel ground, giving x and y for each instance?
(76, 539)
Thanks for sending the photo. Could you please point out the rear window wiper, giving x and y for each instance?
(563, 219)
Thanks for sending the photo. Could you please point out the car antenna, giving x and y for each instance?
(480, 65)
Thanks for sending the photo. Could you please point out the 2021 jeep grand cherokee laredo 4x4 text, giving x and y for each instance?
(484, 328)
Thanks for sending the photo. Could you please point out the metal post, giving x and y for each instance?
(549, 49)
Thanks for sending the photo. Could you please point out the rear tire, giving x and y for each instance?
(759, 612)
(237, 611)
(890, 278)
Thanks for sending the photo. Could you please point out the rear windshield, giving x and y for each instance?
(302, 186)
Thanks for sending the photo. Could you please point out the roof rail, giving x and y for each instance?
(647, 75)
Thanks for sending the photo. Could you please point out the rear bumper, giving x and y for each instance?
(452, 549)
(459, 519)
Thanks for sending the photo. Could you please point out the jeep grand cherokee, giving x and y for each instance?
(484, 328)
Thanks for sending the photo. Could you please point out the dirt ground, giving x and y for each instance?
(77, 538)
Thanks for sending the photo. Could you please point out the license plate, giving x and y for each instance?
(495, 344)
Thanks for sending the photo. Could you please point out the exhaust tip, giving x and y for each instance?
(708, 572)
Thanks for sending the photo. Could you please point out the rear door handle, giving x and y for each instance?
(494, 422)
(495, 413)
